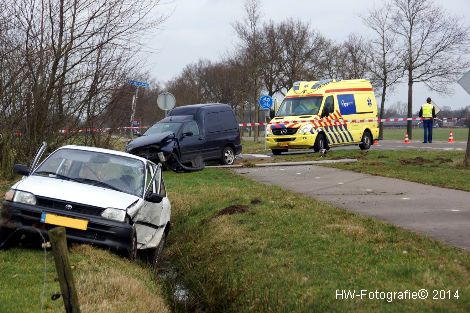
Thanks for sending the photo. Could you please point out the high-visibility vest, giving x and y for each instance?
(427, 110)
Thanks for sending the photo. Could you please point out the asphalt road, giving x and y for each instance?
(443, 214)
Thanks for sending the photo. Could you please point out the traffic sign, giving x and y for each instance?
(138, 84)
(265, 102)
(465, 82)
(166, 101)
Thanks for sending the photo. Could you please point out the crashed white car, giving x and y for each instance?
(102, 197)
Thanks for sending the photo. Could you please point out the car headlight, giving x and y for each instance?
(114, 214)
(9, 195)
(24, 197)
(269, 131)
(306, 129)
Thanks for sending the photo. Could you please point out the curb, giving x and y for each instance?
(286, 163)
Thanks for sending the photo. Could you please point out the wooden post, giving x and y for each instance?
(64, 272)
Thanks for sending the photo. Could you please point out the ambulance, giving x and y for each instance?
(322, 114)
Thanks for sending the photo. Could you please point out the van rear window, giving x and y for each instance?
(221, 121)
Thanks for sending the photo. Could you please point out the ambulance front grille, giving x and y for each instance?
(284, 131)
(285, 139)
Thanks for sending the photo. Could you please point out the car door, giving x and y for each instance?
(148, 220)
(191, 142)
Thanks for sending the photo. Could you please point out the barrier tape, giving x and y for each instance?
(316, 123)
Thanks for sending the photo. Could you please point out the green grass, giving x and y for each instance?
(438, 134)
(290, 253)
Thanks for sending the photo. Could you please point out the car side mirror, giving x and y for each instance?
(154, 198)
(188, 134)
(21, 169)
(137, 134)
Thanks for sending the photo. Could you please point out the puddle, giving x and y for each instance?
(179, 295)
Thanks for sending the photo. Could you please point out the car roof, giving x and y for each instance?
(177, 118)
(102, 150)
(193, 108)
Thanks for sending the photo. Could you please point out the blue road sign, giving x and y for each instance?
(265, 102)
(138, 84)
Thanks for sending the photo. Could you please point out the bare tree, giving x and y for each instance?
(384, 61)
(62, 61)
(434, 45)
(248, 31)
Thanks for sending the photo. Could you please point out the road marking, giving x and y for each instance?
(369, 190)
(318, 177)
(406, 198)
(298, 173)
(455, 210)
(340, 183)
(281, 169)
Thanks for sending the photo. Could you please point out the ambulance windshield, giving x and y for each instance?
(300, 106)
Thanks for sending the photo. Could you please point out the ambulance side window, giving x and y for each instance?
(328, 107)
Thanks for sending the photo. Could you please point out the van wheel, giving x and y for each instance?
(320, 143)
(7, 238)
(278, 151)
(228, 156)
(366, 141)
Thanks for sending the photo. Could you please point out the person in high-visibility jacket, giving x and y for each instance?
(427, 113)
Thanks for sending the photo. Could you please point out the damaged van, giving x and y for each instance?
(190, 136)
(103, 197)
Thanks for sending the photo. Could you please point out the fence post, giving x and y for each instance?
(64, 272)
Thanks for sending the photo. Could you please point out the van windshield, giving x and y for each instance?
(163, 127)
(300, 106)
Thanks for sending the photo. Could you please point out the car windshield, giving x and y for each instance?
(96, 168)
(163, 127)
(300, 106)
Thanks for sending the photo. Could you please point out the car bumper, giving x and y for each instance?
(297, 141)
(100, 231)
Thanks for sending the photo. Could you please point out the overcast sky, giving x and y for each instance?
(202, 29)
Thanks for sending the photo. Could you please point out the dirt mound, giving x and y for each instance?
(415, 161)
(237, 208)
(255, 201)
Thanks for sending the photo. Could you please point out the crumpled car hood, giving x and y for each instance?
(147, 140)
(76, 192)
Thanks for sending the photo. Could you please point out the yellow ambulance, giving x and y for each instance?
(324, 114)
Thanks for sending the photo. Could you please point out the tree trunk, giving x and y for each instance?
(409, 128)
(466, 161)
(382, 110)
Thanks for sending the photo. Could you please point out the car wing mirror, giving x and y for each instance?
(21, 169)
(188, 134)
(154, 198)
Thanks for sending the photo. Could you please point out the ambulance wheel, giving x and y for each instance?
(278, 151)
(366, 141)
(320, 143)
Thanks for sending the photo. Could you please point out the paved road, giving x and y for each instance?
(438, 212)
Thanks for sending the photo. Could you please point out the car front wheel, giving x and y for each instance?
(228, 156)
(158, 252)
(132, 250)
(320, 143)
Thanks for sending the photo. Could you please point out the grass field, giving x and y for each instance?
(282, 252)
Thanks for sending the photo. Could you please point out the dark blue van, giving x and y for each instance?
(192, 134)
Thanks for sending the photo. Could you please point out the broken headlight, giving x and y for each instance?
(114, 214)
(22, 197)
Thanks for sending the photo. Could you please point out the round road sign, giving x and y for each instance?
(166, 101)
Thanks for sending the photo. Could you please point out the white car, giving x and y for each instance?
(102, 197)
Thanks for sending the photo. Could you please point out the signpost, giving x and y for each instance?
(166, 101)
(465, 83)
(265, 103)
(134, 98)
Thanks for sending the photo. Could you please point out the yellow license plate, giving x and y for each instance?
(283, 144)
(64, 221)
